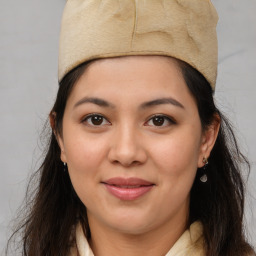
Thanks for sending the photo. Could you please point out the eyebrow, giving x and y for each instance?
(96, 101)
(162, 101)
(104, 103)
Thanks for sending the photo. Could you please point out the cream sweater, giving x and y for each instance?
(189, 244)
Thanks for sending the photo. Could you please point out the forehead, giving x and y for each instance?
(132, 77)
(138, 66)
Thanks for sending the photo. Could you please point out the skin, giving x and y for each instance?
(128, 143)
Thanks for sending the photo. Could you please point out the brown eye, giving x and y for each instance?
(158, 120)
(95, 120)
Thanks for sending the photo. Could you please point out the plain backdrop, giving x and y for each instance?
(29, 32)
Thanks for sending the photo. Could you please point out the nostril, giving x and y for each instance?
(126, 163)
(127, 154)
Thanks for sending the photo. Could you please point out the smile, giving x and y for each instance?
(128, 189)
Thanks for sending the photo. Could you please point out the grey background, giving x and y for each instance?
(29, 33)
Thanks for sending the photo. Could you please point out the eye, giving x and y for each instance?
(95, 120)
(160, 121)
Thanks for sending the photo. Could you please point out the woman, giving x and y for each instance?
(140, 160)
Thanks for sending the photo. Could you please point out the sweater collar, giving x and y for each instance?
(191, 242)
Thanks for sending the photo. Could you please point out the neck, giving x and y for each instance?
(106, 241)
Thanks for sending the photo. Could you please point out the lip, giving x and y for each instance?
(128, 189)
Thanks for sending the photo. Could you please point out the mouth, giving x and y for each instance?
(128, 188)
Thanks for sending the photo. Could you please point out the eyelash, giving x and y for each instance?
(85, 120)
(166, 118)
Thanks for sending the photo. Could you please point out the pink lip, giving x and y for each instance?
(128, 188)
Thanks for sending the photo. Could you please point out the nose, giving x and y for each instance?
(126, 147)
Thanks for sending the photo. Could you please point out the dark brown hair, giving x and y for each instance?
(53, 208)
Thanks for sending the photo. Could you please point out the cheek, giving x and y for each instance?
(176, 159)
(84, 156)
(84, 151)
(177, 155)
(176, 162)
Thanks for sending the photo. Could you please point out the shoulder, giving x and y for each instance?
(190, 243)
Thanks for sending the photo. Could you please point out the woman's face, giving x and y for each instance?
(133, 141)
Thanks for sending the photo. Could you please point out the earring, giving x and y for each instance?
(65, 167)
(205, 161)
(204, 178)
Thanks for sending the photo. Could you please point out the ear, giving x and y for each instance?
(52, 119)
(208, 140)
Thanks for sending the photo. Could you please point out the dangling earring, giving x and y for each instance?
(65, 167)
(204, 178)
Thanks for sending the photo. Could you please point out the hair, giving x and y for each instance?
(53, 207)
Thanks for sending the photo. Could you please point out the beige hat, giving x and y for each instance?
(184, 29)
